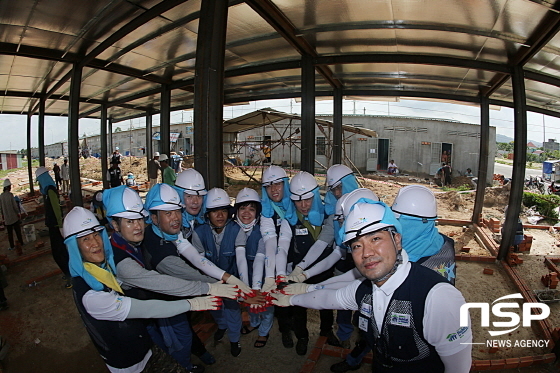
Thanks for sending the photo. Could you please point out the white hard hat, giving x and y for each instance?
(368, 218)
(163, 157)
(80, 222)
(272, 175)
(354, 196)
(156, 154)
(123, 202)
(99, 196)
(7, 183)
(217, 198)
(416, 200)
(163, 197)
(191, 181)
(335, 173)
(247, 195)
(338, 208)
(41, 170)
(302, 186)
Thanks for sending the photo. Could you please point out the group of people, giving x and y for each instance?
(161, 162)
(62, 177)
(186, 248)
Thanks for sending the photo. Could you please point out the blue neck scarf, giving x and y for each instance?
(285, 205)
(349, 183)
(420, 239)
(188, 218)
(165, 236)
(45, 180)
(316, 214)
(76, 262)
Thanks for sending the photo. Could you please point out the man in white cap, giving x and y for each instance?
(400, 303)
(11, 216)
(153, 169)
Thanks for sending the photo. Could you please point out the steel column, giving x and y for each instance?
(164, 121)
(209, 92)
(337, 126)
(307, 114)
(73, 136)
(110, 138)
(41, 139)
(149, 148)
(103, 138)
(482, 157)
(519, 160)
(29, 158)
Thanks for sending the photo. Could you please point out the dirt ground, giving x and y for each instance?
(46, 334)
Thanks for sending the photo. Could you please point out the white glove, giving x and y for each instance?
(281, 300)
(297, 275)
(269, 285)
(295, 289)
(245, 290)
(220, 289)
(209, 302)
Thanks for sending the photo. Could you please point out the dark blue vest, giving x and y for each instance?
(400, 346)
(225, 259)
(442, 262)
(251, 248)
(121, 344)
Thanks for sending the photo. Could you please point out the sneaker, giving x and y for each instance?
(68, 285)
(346, 344)
(343, 366)
(196, 369)
(287, 340)
(235, 348)
(219, 335)
(207, 358)
(301, 346)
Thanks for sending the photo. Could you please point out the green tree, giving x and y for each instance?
(505, 146)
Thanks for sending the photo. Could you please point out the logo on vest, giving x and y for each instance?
(400, 319)
(366, 309)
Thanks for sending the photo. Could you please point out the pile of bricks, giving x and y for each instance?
(513, 259)
(550, 280)
(525, 245)
(493, 224)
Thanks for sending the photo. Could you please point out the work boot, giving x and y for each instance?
(333, 340)
(301, 346)
(343, 366)
(287, 340)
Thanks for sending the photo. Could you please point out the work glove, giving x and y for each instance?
(209, 302)
(246, 291)
(295, 289)
(297, 275)
(219, 289)
(269, 285)
(281, 300)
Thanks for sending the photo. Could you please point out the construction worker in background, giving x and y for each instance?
(114, 174)
(57, 177)
(168, 175)
(130, 181)
(424, 302)
(11, 216)
(96, 206)
(113, 320)
(53, 221)
(126, 213)
(153, 169)
(65, 174)
(310, 241)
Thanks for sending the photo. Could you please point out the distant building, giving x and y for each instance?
(531, 147)
(551, 145)
(10, 159)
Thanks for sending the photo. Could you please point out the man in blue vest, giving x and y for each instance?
(401, 304)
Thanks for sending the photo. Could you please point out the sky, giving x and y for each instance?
(539, 126)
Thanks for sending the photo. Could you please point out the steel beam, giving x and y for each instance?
(41, 125)
(103, 139)
(110, 137)
(209, 92)
(482, 158)
(164, 121)
(337, 126)
(519, 161)
(149, 148)
(307, 115)
(73, 136)
(29, 157)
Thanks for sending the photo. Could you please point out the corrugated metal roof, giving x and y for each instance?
(437, 49)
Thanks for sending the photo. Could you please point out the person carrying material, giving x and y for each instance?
(113, 320)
